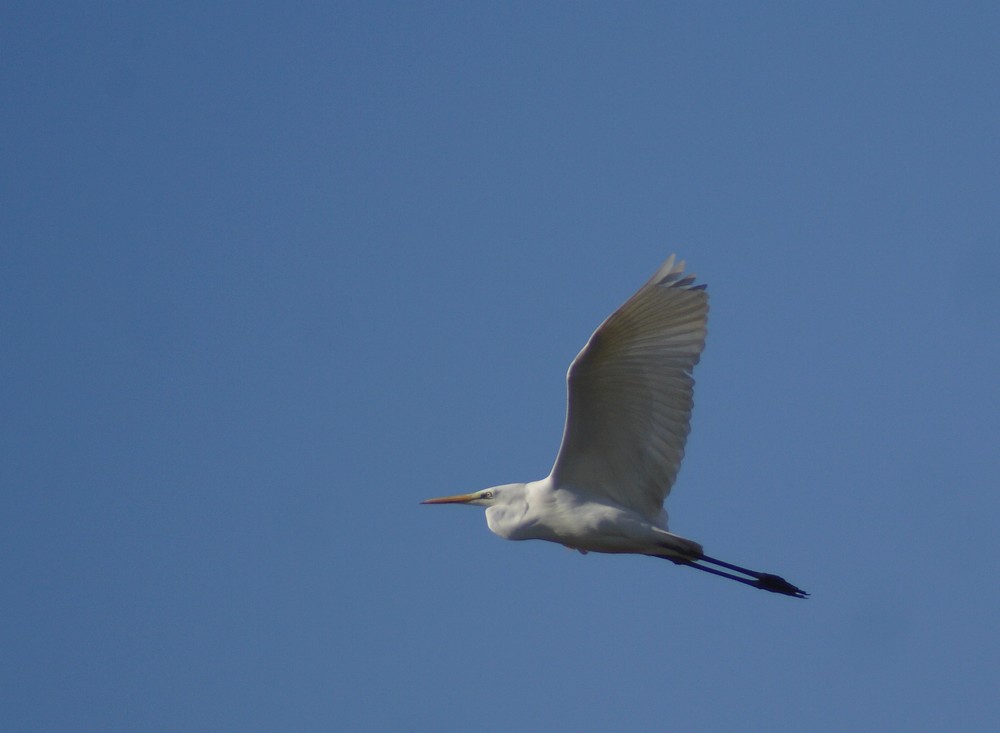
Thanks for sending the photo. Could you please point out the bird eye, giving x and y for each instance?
(486, 495)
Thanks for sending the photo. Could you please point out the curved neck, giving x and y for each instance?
(506, 516)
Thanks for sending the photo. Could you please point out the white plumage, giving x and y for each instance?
(630, 394)
(627, 420)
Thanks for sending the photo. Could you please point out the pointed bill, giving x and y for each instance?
(457, 499)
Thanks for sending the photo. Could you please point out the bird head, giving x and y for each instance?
(505, 506)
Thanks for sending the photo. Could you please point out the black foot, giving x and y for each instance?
(777, 584)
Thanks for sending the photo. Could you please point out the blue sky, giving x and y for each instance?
(273, 273)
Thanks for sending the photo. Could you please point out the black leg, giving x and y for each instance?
(764, 581)
(737, 568)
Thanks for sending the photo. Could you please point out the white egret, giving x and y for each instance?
(627, 419)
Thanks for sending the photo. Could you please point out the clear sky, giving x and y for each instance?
(273, 273)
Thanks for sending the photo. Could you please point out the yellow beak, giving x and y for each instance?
(457, 499)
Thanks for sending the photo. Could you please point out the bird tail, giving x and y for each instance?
(674, 547)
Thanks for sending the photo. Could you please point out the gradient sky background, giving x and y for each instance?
(273, 273)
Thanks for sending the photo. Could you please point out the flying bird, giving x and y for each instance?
(627, 420)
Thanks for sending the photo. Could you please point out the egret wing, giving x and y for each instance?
(630, 394)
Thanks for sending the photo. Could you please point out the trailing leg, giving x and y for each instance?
(764, 581)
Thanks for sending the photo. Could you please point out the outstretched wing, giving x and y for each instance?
(630, 394)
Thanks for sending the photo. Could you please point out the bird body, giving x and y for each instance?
(627, 420)
(541, 510)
